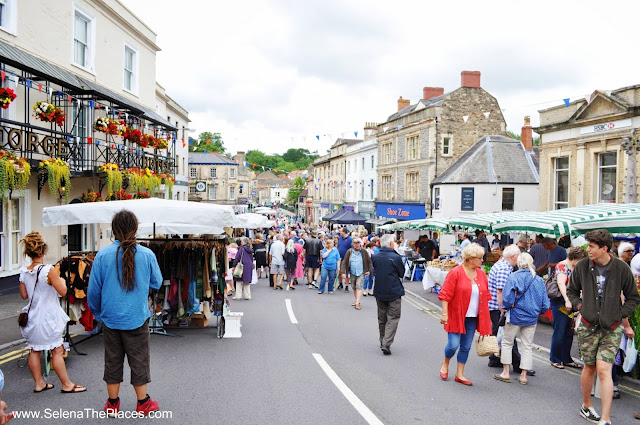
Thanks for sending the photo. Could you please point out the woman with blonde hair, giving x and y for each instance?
(524, 297)
(42, 285)
(465, 308)
(290, 262)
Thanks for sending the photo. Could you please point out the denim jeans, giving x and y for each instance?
(368, 282)
(324, 274)
(461, 341)
(562, 337)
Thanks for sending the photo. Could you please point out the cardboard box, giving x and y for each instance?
(198, 320)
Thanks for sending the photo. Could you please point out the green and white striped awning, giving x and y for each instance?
(625, 224)
(560, 222)
(483, 221)
(422, 224)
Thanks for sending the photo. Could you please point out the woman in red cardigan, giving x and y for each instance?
(465, 307)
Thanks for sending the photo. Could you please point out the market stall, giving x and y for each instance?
(189, 266)
(625, 224)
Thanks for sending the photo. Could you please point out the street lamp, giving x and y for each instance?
(631, 146)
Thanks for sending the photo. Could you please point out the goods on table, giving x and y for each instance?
(435, 263)
(449, 264)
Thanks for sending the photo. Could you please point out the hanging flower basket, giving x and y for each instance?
(133, 136)
(7, 96)
(113, 177)
(91, 197)
(120, 195)
(161, 144)
(147, 140)
(102, 124)
(169, 180)
(47, 112)
(150, 181)
(59, 176)
(133, 179)
(141, 195)
(14, 173)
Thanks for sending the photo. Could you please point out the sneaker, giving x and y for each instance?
(346, 289)
(616, 394)
(315, 285)
(112, 409)
(310, 286)
(590, 414)
(147, 407)
(330, 292)
(604, 423)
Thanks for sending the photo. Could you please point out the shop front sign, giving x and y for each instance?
(606, 126)
(401, 211)
(21, 140)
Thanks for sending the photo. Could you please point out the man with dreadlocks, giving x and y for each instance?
(121, 276)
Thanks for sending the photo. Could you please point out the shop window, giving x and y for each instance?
(192, 189)
(412, 148)
(11, 82)
(8, 15)
(232, 173)
(561, 183)
(83, 39)
(212, 193)
(192, 173)
(607, 173)
(81, 130)
(436, 198)
(213, 173)
(348, 167)
(363, 162)
(131, 68)
(15, 230)
(411, 186)
(508, 198)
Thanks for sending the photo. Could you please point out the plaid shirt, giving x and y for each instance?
(497, 279)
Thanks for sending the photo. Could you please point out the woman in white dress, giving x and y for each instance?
(47, 319)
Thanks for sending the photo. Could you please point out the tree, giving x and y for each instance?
(295, 191)
(207, 141)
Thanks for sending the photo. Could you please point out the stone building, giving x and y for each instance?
(271, 189)
(360, 183)
(218, 179)
(581, 156)
(421, 140)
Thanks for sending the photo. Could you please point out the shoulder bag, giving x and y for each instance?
(238, 270)
(551, 284)
(23, 318)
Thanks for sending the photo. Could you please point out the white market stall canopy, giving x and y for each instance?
(151, 210)
(422, 224)
(251, 221)
(147, 229)
(266, 211)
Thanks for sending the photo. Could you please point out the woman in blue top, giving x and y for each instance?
(524, 297)
(330, 264)
(118, 292)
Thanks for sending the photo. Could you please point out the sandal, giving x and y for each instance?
(499, 377)
(75, 389)
(573, 365)
(46, 387)
(557, 365)
(353, 304)
(522, 381)
(357, 306)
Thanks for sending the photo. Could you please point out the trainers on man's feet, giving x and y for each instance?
(346, 289)
(147, 407)
(315, 285)
(590, 414)
(112, 409)
(604, 422)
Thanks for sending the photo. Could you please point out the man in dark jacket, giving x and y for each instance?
(601, 278)
(388, 290)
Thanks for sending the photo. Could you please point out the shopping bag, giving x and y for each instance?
(254, 277)
(631, 356)
(500, 335)
(487, 345)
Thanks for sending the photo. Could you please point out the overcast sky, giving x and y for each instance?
(273, 74)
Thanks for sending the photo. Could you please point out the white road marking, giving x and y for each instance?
(349, 395)
(292, 316)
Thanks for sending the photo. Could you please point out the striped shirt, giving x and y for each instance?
(497, 279)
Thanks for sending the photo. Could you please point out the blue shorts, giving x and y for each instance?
(312, 262)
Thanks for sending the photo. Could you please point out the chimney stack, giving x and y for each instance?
(470, 79)
(429, 92)
(526, 137)
(403, 103)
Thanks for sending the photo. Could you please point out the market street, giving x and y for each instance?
(271, 374)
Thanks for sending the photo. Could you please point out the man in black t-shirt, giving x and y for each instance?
(312, 248)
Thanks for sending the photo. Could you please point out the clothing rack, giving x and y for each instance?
(156, 326)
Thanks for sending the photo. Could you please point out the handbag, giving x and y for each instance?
(487, 345)
(238, 270)
(551, 284)
(23, 318)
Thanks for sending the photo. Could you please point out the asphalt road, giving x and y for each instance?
(273, 374)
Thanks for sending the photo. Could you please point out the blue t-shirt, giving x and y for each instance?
(331, 261)
(557, 254)
(344, 244)
(117, 308)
